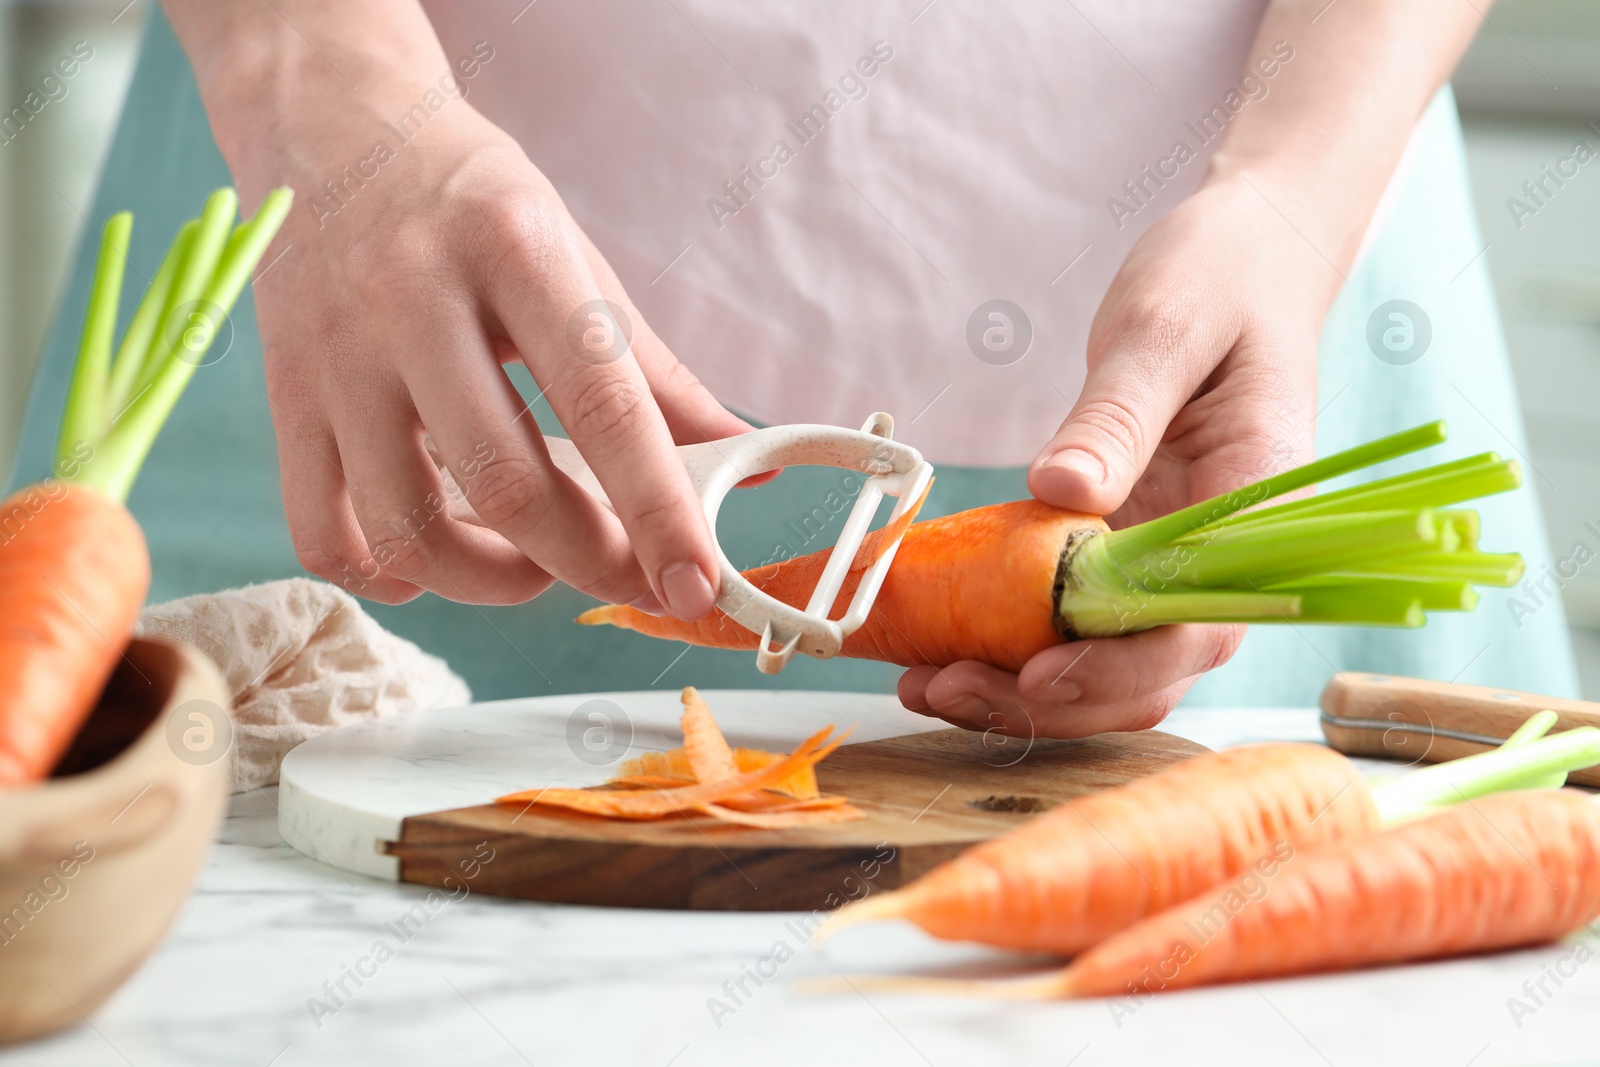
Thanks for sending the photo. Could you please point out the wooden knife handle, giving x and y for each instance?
(1415, 720)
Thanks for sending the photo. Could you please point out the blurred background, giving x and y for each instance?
(1529, 92)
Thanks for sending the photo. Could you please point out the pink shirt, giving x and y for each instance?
(809, 201)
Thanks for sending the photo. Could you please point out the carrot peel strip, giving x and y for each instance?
(745, 787)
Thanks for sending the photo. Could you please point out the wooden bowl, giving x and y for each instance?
(96, 862)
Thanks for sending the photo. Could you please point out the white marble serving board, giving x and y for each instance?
(343, 793)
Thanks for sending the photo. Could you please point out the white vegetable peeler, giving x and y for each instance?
(715, 467)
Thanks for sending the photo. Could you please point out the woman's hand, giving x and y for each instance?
(1202, 375)
(408, 277)
(1203, 355)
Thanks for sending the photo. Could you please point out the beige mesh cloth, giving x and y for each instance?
(301, 657)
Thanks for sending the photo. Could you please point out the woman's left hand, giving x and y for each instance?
(1202, 377)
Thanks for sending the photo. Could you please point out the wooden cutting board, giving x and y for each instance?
(926, 797)
(408, 799)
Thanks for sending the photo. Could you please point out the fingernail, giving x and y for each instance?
(648, 603)
(1084, 464)
(686, 590)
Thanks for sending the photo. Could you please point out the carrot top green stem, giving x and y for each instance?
(115, 408)
(1528, 764)
(1137, 540)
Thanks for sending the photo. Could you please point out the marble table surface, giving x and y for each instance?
(270, 931)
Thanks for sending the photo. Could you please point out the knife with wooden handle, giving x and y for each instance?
(1415, 720)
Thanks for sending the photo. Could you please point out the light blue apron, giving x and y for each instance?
(210, 505)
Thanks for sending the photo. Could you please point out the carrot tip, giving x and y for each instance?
(879, 906)
(599, 616)
(1046, 987)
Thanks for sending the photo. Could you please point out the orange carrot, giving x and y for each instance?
(938, 603)
(1095, 865)
(73, 574)
(73, 564)
(999, 584)
(1511, 869)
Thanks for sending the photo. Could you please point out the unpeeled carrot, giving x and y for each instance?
(1511, 869)
(74, 568)
(999, 584)
(73, 575)
(1093, 866)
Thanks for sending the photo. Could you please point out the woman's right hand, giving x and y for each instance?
(389, 320)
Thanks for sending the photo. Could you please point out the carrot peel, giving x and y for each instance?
(744, 787)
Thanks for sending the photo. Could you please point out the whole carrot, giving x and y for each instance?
(1091, 867)
(73, 564)
(1511, 869)
(998, 584)
(1081, 871)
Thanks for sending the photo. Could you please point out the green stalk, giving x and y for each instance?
(1538, 724)
(136, 431)
(1136, 541)
(134, 351)
(1523, 766)
(1503, 569)
(1380, 554)
(1434, 486)
(194, 271)
(1294, 548)
(206, 268)
(1430, 595)
(87, 394)
(1536, 727)
(1350, 608)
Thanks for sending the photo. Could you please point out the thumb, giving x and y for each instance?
(1101, 450)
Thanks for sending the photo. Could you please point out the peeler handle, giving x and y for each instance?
(1416, 720)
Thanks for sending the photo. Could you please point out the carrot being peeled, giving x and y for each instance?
(998, 584)
(74, 568)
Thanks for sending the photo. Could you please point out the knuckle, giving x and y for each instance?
(1158, 323)
(523, 238)
(401, 551)
(1221, 643)
(1117, 423)
(1153, 711)
(605, 407)
(316, 557)
(504, 492)
(611, 586)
